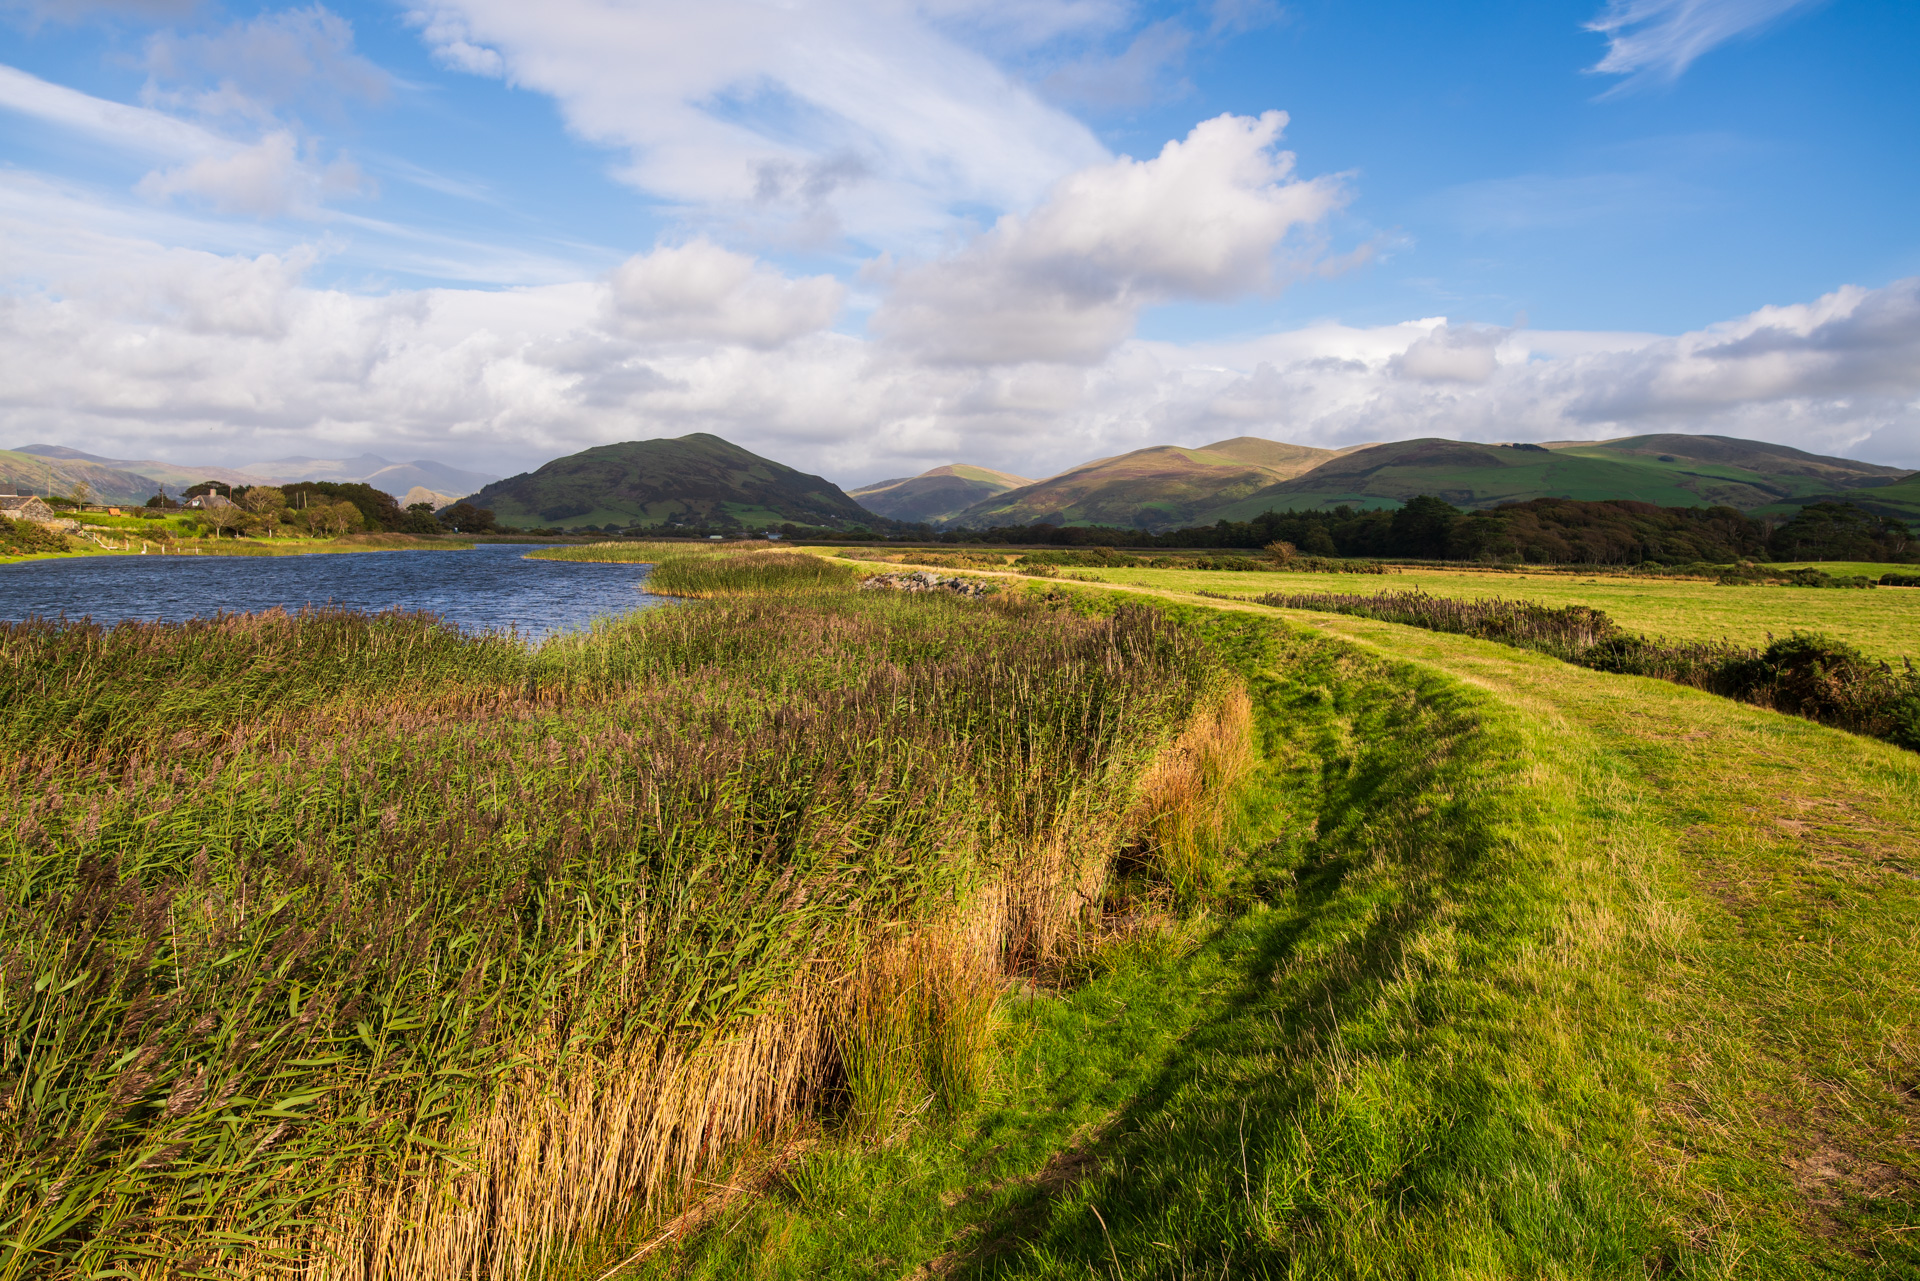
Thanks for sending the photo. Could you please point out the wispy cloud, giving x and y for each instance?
(1660, 39)
(706, 102)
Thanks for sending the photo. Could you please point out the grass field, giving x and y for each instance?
(872, 935)
(1885, 622)
(1523, 971)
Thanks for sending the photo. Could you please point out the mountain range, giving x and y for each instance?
(701, 479)
(119, 480)
(1166, 487)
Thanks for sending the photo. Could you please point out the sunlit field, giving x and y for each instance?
(1883, 621)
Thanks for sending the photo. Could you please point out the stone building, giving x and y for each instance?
(26, 507)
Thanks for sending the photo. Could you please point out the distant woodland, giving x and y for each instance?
(1543, 531)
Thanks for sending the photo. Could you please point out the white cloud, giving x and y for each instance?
(702, 100)
(266, 180)
(701, 291)
(1662, 38)
(1203, 219)
(274, 60)
(137, 129)
(214, 357)
(276, 175)
(452, 45)
(1451, 354)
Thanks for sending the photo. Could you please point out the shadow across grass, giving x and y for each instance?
(1369, 1096)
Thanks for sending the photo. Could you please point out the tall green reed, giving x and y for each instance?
(356, 947)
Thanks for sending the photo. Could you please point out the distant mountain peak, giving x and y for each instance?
(698, 478)
(937, 493)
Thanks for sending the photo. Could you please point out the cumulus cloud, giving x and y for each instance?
(1451, 354)
(266, 180)
(207, 357)
(1203, 219)
(705, 101)
(1661, 38)
(700, 291)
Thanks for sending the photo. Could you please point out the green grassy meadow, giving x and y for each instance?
(1885, 622)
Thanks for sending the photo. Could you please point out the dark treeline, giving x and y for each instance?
(1543, 531)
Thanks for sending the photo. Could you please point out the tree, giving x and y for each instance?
(262, 499)
(378, 509)
(329, 520)
(82, 493)
(223, 517)
(265, 505)
(1422, 528)
(419, 520)
(464, 518)
(1842, 531)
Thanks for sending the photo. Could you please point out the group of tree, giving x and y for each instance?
(321, 509)
(1541, 531)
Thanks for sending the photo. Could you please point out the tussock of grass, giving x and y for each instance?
(353, 946)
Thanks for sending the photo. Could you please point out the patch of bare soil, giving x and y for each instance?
(1829, 1170)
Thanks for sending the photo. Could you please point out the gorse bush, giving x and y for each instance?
(1810, 675)
(357, 947)
(25, 538)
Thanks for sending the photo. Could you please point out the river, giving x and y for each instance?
(487, 588)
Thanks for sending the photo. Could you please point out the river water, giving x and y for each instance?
(487, 588)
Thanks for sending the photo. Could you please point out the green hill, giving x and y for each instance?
(1669, 471)
(1900, 500)
(37, 473)
(1161, 487)
(937, 494)
(698, 479)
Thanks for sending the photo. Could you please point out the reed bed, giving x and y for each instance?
(352, 947)
(630, 551)
(742, 572)
(1807, 674)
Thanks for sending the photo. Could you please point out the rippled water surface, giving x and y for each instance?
(486, 588)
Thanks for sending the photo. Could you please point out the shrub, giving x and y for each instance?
(25, 538)
(1806, 674)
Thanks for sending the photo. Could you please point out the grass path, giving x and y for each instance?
(1527, 971)
(1884, 621)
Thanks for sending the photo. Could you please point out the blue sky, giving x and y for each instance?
(868, 238)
